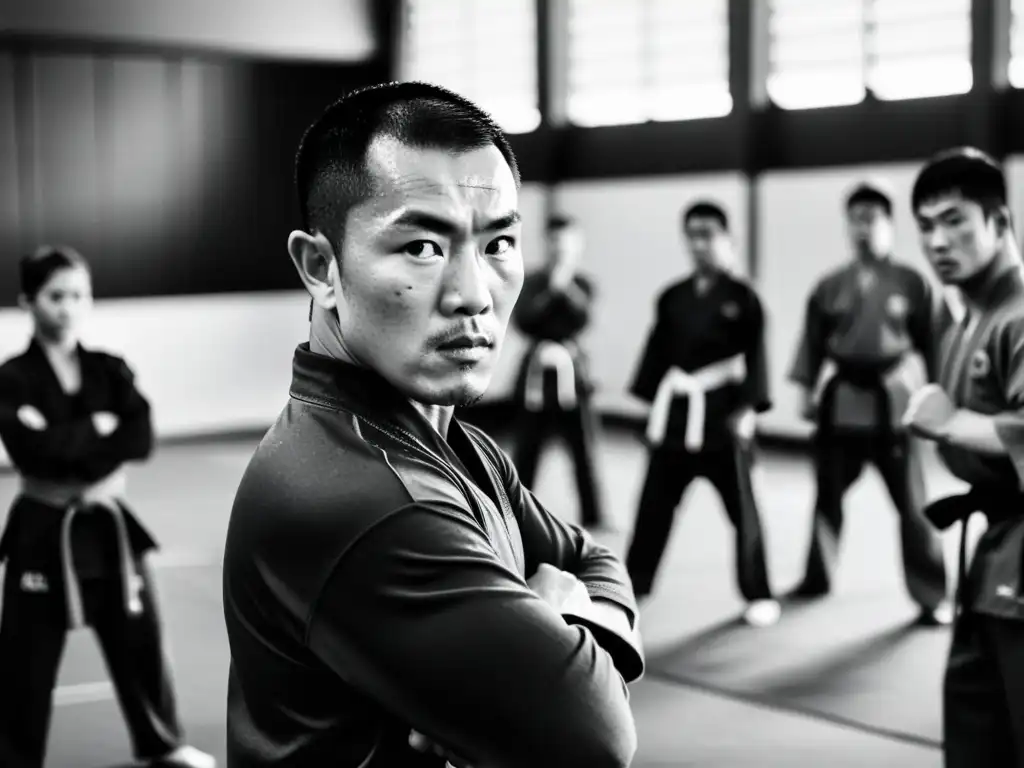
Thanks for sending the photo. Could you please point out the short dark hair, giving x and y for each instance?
(866, 192)
(975, 175)
(330, 167)
(560, 221)
(706, 209)
(35, 269)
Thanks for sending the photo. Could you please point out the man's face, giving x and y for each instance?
(870, 228)
(61, 305)
(707, 241)
(957, 237)
(431, 269)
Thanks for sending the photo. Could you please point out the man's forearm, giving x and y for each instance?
(615, 633)
(978, 432)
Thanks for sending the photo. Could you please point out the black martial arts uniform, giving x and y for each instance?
(870, 339)
(74, 554)
(554, 386)
(715, 337)
(982, 370)
(375, 581)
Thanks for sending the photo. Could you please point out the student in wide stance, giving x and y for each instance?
(704, 371)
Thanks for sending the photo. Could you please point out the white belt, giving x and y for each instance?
(694, 386)
(550, 355)
(74, 497)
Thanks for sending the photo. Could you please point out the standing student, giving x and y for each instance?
(976, 416)
(553, 388)
(869, 341)
(70, 419)
(704, 371)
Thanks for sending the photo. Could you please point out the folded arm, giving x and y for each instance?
(549, 539)
(133, 438)
(58, 446)
(422, 616)
(1000, 433)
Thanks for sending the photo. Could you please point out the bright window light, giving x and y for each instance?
(632, 61)
(485, 51)
(1016, 73)
(832, 53)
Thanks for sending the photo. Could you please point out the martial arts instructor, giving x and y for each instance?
(386, 573)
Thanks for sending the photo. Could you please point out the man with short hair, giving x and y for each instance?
(869, 341)
(385, 570)
(554, 386)
(704, 372)
(976, 416)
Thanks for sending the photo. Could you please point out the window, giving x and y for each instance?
(816, 53)
(630, 61)
(1017, 44)
(919, 48)
(830, 54)
(485, 51)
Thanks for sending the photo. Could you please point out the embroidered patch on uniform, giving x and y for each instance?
(980, 365)
(897, 305)
(731, 310)
(34, 582)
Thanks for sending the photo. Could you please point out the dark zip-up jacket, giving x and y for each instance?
(375, 580)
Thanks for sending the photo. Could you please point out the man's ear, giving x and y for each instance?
(315, 261)
(1004, 220)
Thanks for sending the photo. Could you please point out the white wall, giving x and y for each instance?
(334, 30)
(634, 249)
(207, 363)
(217, 363)
(222, 362)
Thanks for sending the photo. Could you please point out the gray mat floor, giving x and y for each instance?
(842, 682)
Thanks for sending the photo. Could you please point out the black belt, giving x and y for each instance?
(870, 378)
(998, 506)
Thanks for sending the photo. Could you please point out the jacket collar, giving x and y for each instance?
(994, 285)
(362, 392)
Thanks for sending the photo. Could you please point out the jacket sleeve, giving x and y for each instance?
(548, 539)
(1007, 358)
(811, 353)
(61, 447)
(755, 387)
(421, 615)
(654, 361)
(133, 438)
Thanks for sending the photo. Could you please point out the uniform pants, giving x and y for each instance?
(578, 427)
(839, 460)
(983, 694)
(669, 473)
(33, 628)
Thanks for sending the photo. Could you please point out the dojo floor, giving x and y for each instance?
(842, 682)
